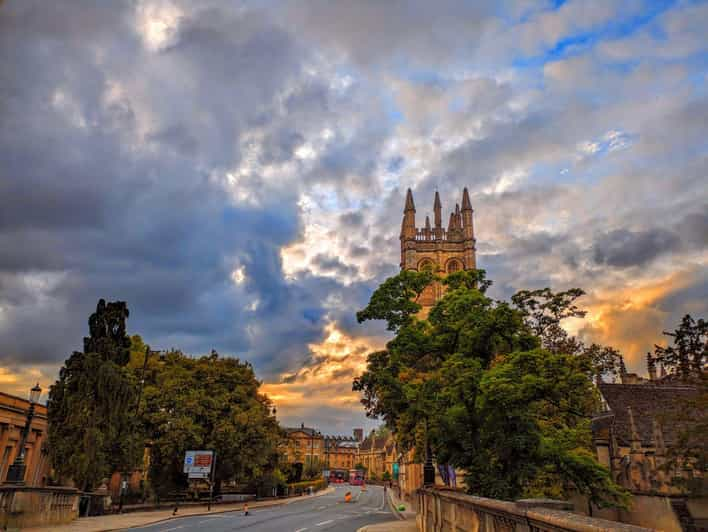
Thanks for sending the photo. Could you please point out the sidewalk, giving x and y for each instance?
(106, 523)
(406, 518)
(394, 502)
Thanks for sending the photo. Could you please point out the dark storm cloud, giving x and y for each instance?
(623, 248)
(87, 212)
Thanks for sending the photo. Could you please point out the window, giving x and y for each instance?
(426, 264)
(453, 266)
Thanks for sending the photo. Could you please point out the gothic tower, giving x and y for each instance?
(442, 250)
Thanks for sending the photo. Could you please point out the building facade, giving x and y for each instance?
(435, 248)
(303, 445)
(340, 452)
(638, 438)
(13, 416)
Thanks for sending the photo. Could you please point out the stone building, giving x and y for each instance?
(373, 453)
(303, 445)
(340, 452)
(635, 436)
(13, 415)
(433, 247)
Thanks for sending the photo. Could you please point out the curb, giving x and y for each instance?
(266, 505)
(393, 507)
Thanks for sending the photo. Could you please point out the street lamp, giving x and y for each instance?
(16, 472)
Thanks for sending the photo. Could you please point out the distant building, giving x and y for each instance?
(13, 416)
(304, 445)
(358, 435)
(340, 452)
(378, 454)
(441, 250)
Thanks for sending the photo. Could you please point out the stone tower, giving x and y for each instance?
(442, 250)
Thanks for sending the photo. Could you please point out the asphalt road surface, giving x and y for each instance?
(326, 512)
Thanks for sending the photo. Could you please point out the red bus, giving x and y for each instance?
(356, 477)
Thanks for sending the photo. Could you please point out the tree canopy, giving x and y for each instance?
(210, 402)
(93, 429)
(475, 382)
(118, 396)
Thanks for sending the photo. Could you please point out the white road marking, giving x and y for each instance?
(325, 522)
(321, 507)
(301, 529)
(175, 528)
(206, 520)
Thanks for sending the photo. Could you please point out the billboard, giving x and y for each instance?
(198, 464)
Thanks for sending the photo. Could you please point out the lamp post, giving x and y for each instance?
(16, 472)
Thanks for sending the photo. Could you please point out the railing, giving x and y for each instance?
(26, 506)
(451, 511)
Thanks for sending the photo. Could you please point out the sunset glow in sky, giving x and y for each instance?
(236, 171)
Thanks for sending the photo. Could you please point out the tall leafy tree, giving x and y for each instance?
(210, 402)
(688, 353)
(472, 383)
(544, 311)
(93, 430)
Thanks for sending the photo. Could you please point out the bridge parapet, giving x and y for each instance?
(451, 511)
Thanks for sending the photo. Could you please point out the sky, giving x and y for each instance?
(236, 172)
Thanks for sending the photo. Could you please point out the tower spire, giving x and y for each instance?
(466, 203)
(410, 206)
(408, 230)
(437, 210)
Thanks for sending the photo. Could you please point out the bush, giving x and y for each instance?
(298, 488)
(386, 476)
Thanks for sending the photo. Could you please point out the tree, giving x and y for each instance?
(544, 312)
(688, 355)
(213, 403)
(92, 427)
(473, 383)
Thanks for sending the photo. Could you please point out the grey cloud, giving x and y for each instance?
(622, 248)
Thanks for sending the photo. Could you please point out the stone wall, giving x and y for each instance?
(452, 511)
(25, 506)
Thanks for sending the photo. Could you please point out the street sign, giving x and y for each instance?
(198, 464)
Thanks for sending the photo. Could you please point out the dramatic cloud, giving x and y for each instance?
(237, 173)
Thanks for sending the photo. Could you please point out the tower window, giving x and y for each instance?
(453, 266)
(425, 265)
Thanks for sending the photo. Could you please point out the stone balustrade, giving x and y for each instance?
(27, 506)
(451, 511)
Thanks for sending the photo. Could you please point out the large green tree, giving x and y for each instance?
(210, 402)
(93, 430)
(473, 384)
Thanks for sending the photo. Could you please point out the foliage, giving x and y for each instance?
(302, 487)
(689, 353)
(386, 476)
(545, 310)
(93, 430)
(473, 383)
(394, 300)
(207, 403)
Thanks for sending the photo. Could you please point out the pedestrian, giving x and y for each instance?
(245, 508)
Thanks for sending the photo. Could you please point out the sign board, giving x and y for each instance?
(198, 464)
(395, 470)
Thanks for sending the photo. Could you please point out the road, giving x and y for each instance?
(327, 512)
